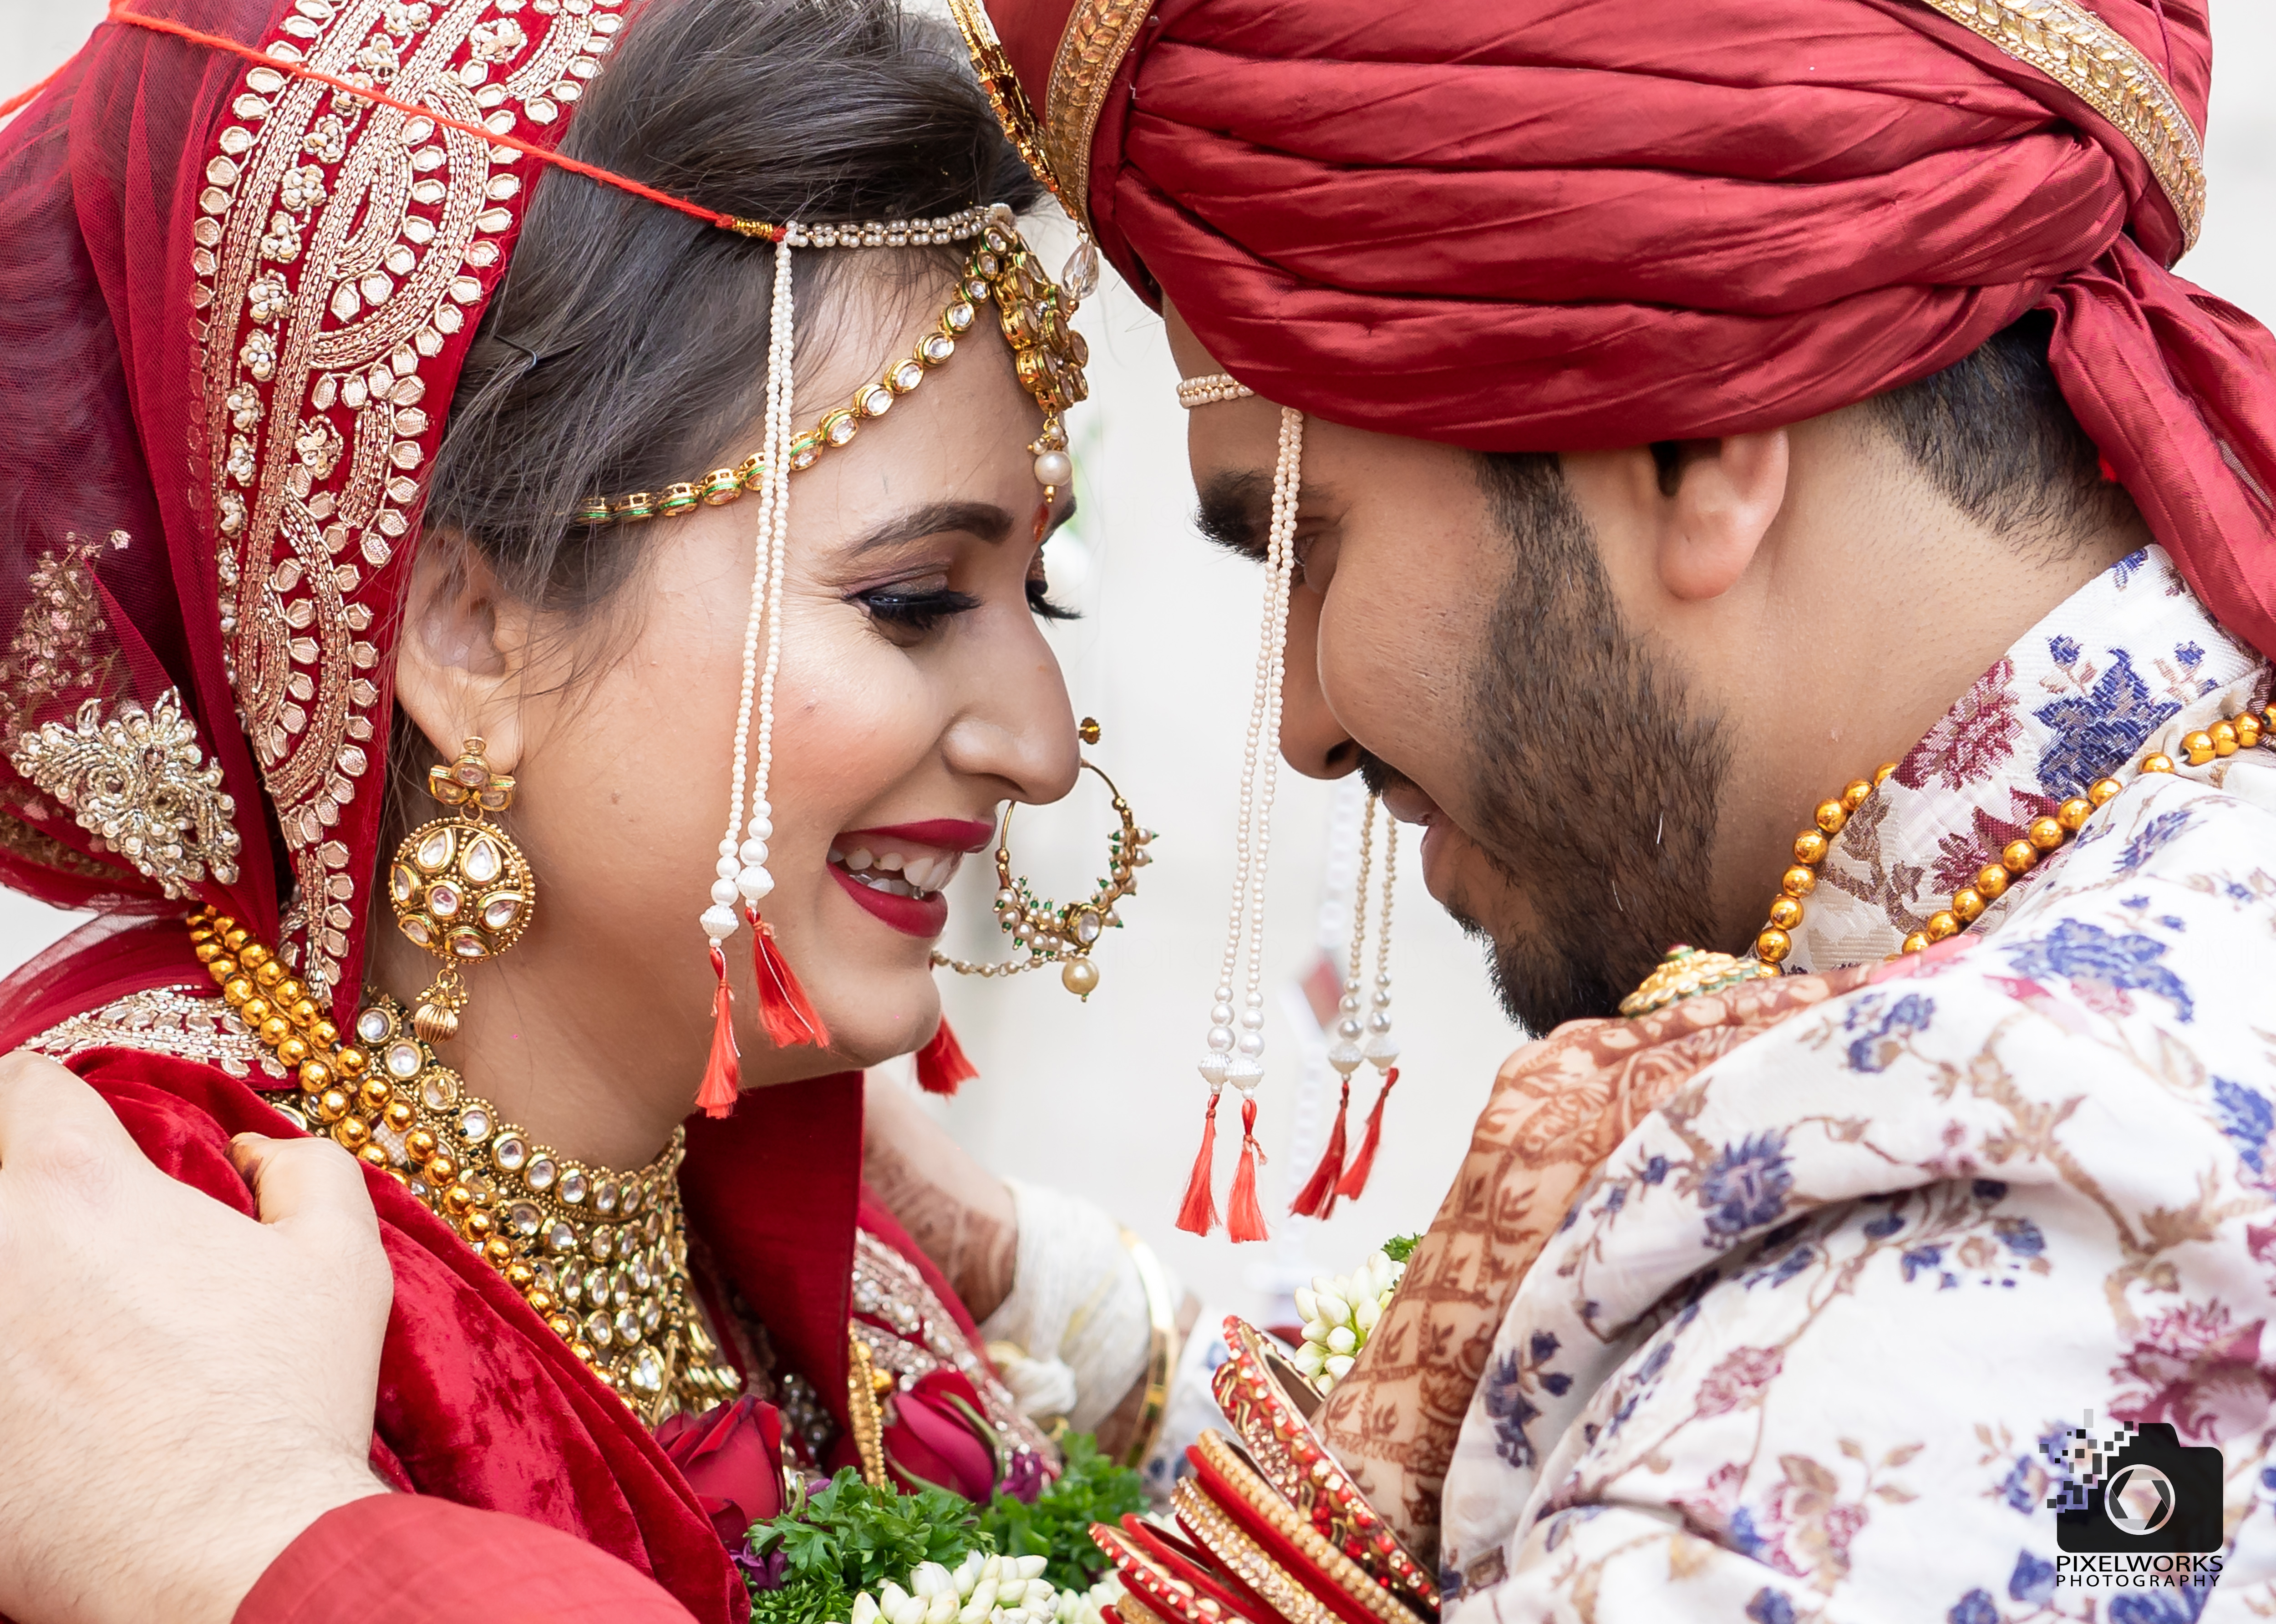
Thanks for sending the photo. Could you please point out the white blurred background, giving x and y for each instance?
(1103, 1098)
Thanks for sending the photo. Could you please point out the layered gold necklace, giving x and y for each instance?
(601, 1255)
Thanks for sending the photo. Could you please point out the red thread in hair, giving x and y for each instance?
(723, 1076)
(1355, 1177)
(1317, 1198)
(370, 92)
(784, 1010)
(1244, 1220)
(941, 1064)
(1197, 1215)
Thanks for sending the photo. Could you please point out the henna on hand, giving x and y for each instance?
(1559, 1109)
(961, 1215)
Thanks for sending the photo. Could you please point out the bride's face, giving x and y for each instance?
(916, 695)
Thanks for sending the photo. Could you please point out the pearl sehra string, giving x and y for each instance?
(1238, 1059)
(741, 870)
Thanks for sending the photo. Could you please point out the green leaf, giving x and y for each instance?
(1399, 1248)
(1056, 1527)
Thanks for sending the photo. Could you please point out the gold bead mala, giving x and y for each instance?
(2042, 838)
(602, 1257)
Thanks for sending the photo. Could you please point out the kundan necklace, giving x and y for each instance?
(1688, 971)
(601, 1255)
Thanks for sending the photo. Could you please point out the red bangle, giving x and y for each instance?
(1271, 1406)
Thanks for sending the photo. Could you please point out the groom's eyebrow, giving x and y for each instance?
(1234, 512)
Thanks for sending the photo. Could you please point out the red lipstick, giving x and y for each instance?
(947, 834)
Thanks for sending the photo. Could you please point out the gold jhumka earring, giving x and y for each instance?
(1063, 933)
(460, 887)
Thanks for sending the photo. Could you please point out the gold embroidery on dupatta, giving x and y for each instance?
(168, 1021)
(339, 246)
(137, 780)
(924, 1337)
(55, 650)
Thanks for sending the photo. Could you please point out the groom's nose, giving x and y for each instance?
(1312, 740)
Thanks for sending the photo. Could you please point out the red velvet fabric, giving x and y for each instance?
(401, 1559)
(1566, 225)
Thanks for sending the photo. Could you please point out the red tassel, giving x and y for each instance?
(1244, 1218)
(1198, 1214)
(942, 1063)
(784, 1011)
(723, 1077)
(1363, 1163)
(1317, 1198)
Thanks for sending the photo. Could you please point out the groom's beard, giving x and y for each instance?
(1594, 788)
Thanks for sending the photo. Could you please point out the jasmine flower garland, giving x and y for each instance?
(1340, 1311)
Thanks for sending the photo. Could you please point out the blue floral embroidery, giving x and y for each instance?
(1747, 1186)
(2096, 731)
(2063, 650)
(1878, 1048)
(2123, 570)
(1770, 1607)
(2246, 1117)
(2080, 952)
(1510, 1411)
(2174, 1607)
(1929, 1260)
(1655, 1169)
(2154, 834)
(2033, 1580)
(1976, 1607)
(2019, 1236)
(1882, 1227)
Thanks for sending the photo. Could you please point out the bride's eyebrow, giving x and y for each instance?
(982, 519)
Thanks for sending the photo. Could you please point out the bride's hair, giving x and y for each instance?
(626, 347)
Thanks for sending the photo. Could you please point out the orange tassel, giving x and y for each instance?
(942, 1063)
(1317, 1198)
(1244, 1218)
(1355, 1175)
(723, 1077)
(784, 1011)
(1198, 1215)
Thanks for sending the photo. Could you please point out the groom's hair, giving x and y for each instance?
(1997, 439)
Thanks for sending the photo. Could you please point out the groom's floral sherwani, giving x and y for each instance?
(1809, 1346)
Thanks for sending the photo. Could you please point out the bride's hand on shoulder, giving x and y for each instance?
(182, 1390)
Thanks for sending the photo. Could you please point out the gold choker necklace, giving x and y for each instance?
(601, 1255)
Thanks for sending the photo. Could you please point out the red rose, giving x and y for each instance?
(731, 1457)
(937, 1437)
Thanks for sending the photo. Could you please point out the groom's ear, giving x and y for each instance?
(465, 647)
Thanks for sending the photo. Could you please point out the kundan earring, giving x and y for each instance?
(1358, 1044)
(460, 888)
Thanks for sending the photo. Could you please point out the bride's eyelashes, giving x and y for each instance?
(914, 613)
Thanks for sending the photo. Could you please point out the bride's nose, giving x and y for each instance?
(1020, 729)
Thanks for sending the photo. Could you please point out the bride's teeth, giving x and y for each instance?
(836, 855)
(858, 859)
(890, 861)
(918, 872)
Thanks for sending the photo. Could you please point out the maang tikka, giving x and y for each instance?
(461, 888)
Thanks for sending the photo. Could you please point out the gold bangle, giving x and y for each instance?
(1269, 1506)
(1161, 1349)
(1245, 1559)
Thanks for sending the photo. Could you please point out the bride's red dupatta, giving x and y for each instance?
(233, 307)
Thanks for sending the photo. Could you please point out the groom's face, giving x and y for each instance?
(1450, 636)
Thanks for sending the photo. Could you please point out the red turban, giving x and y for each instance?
(1564, 224)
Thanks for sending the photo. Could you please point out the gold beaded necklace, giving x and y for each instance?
(1688, 971)
(602, 1257)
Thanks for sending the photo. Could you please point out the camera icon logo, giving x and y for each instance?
(2135, 1488)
